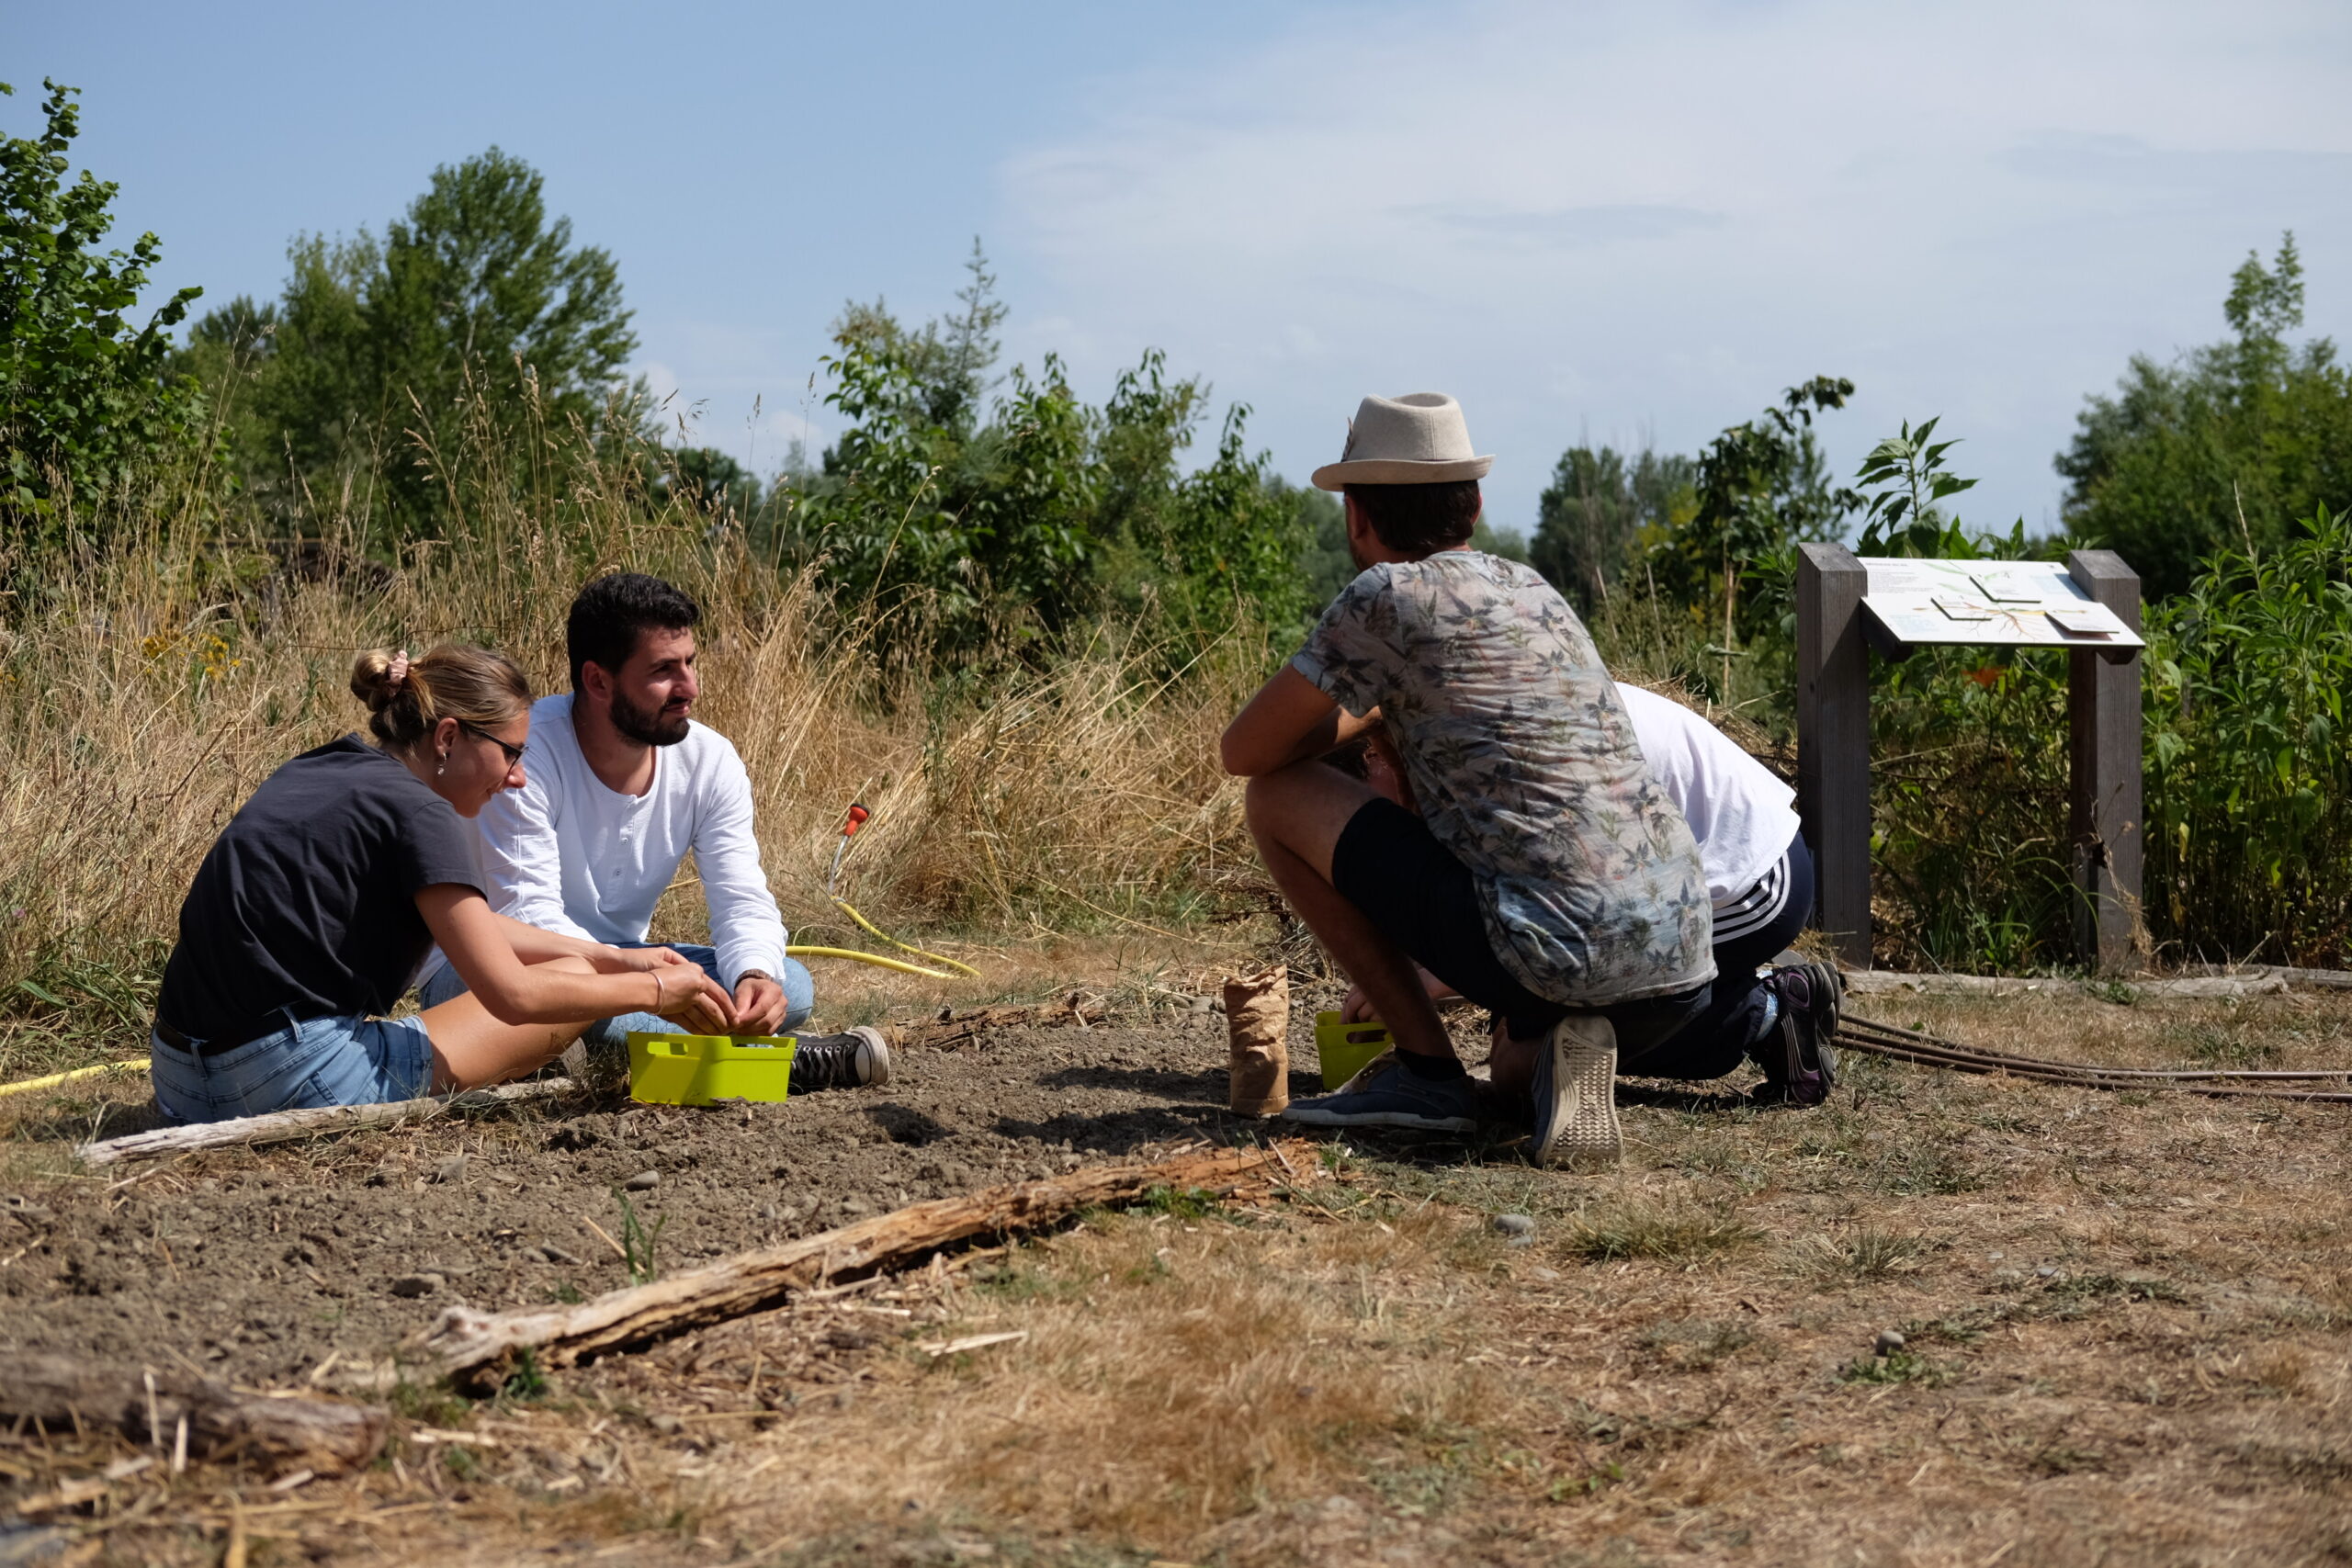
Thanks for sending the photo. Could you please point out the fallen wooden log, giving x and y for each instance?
(167, 1410)
(2208, 988)
(2322, 979)
(477, 1348)
(281, 1126)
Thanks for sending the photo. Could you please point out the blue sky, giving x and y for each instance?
(1620, 223)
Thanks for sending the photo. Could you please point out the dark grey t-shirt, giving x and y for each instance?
(307, 901)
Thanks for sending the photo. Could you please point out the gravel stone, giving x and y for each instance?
(1514, 1224)
(1889, 1342)
(413, 1285)
(643, 1182)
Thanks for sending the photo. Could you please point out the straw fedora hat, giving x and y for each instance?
(1418, 439)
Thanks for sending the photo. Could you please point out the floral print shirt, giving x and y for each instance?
(1525, 765)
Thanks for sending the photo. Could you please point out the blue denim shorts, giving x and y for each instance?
(296, 1066)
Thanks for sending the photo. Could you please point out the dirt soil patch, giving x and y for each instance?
(257, 1266)
(2123, 1322)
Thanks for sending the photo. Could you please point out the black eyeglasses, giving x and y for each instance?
(514, 753)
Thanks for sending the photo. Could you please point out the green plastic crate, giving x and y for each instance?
(694, 1069)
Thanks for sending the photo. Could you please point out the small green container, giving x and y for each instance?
(1342, 1050)
(694, 1069)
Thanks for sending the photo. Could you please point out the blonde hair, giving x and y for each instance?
(473, 685)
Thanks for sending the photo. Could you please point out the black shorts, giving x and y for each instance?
(1388, 864)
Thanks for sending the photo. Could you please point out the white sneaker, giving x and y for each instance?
(1575, 1094)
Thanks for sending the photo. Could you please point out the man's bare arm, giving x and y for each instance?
(1289, 720)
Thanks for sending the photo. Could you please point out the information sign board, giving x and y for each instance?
(1987, 604)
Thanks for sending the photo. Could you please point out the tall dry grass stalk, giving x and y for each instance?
(147, 689)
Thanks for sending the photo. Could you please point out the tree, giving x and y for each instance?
(85, 396)
(2226, 445)
(1508, 543)
(1019, 514)
(1762, 488)
(475, 305)
(1595, 513)
(1321, 524)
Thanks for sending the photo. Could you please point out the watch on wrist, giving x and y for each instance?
(753, 975)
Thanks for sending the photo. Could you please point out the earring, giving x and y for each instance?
(442, 766)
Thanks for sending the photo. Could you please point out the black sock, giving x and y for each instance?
(1437, 1069)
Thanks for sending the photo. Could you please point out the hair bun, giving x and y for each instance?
(371, 678)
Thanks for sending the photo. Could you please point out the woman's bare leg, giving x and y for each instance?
(471, 1049)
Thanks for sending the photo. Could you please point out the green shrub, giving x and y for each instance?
(85, 396)
(2249, 796)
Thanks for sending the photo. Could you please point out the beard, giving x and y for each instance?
(647, 727)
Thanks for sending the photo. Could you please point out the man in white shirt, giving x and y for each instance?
(1760, 881)
(620, 784)
(1760, 878)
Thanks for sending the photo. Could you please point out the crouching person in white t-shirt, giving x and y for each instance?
(622, 782)
(1760, 879)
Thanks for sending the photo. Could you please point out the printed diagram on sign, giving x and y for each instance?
(2007, 604)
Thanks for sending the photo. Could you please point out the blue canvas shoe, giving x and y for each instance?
(1385, 1095)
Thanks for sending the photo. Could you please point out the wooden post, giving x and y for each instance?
(2103, 813)
(1834, 743)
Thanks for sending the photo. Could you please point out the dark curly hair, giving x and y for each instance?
(614, 610)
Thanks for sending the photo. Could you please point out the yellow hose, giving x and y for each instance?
(54, 1080)
(875, 958)
(873, 930)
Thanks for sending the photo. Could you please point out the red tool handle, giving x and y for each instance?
(857, 819)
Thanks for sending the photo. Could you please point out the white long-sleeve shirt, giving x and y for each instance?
(567, 854)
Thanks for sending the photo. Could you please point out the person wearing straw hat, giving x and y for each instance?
(1547, 877)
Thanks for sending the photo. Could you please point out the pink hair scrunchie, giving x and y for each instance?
(397, 672)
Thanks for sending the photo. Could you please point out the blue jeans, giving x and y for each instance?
(296, 1066)
(611, 1034)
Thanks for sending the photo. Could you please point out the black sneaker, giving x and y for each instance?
(1800, 1061)
(858, 1059)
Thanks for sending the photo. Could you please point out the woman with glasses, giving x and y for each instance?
(317, 905)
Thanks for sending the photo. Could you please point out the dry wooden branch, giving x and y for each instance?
(1882, 982)
(282, 1126)
(285, 1432)
(477, 1348)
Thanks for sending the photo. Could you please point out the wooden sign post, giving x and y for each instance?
(1846, 605)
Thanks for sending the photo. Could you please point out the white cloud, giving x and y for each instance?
(1603, 217)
